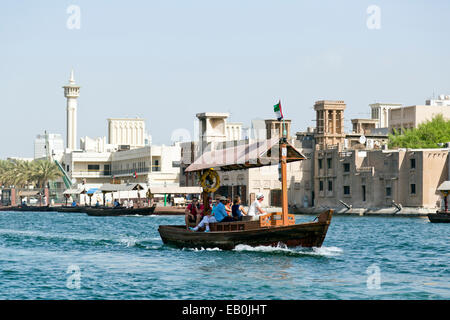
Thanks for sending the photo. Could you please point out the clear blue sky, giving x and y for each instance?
(167, 60)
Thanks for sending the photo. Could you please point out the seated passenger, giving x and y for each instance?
(255, 208)
(228, 206)
(116, 204)
(218, 214)
(74, 203)
(193, 212)
(237, 209)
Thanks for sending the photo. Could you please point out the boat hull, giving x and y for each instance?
(33, 208)
(110, 212)
(440, 217)
(71, 209)
(305, 234)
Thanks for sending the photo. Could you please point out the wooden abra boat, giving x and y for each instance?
(439, 217)
(32, 208)
(268, 230)
(228, 235)
(442, 216)
(71, 209)
(103, 212)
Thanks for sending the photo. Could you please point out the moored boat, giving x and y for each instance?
(103, 212)
(439, 217)
(71, 209)
(32, 208)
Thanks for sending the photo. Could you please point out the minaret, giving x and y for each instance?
(71, 92)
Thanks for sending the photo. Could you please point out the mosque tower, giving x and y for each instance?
(71, 92)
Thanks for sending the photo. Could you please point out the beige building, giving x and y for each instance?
(374, 179)
(412, 116)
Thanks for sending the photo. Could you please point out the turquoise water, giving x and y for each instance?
(52, 255)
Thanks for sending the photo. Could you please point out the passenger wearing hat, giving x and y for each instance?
(255, 208)
(219, 214)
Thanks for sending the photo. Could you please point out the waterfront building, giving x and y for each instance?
(153, 165)
(361, 172)
(380, 178)
(53, 141)
(127, 156)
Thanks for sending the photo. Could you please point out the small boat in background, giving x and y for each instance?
(71, 209)
(442, 216)
(439, 217)
(108, 212)
(32, 208)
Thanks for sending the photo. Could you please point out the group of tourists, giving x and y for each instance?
(223, 210)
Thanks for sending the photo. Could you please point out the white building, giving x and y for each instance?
(380, 112)
(53, 141)
(128, 155)
(443, 100)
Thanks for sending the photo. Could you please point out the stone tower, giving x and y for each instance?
(329, 123)
(71, 92)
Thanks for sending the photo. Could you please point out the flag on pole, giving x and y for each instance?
(135, 174)
(277, 110)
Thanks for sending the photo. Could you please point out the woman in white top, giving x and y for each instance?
(255, 208)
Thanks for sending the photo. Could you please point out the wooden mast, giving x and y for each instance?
(284, 212)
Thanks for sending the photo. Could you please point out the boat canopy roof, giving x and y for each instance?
(251, 155)
(75, 191)
(445, 186)
(111, 187)
(175, 190)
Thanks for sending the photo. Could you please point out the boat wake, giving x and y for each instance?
(280, 249)
(300, 251)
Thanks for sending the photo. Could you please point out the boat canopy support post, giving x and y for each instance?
(205, 201)
(284, 182)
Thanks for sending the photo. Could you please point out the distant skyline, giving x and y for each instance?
(165, 61)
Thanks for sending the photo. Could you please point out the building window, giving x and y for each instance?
(413, 188)
(320, 163)
(388, 191)
(330, 185)
(93, 167)
(346, 167)
(413, 163)
(320, 185)
(329, 163)
(346, 189)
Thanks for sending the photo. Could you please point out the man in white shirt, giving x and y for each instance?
(255, 208)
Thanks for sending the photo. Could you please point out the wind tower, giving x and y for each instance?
(71, 92)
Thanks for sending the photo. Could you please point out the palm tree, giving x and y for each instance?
(43, 171)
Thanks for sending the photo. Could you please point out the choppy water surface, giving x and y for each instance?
(52, 255)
